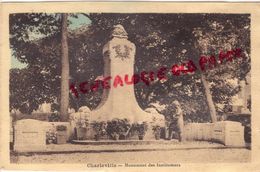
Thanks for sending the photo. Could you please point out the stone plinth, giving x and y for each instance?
(118, 114)
(118, 101)
(30, 135)
(51, 126)
(80, 121)
(229, 133)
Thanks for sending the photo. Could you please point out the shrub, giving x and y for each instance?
(61, 128)
(140, 129)
(118, 128)
(54, 117)
(157, 131)
(99, 128)
(82, 123)
(156, 128)
(51, 136)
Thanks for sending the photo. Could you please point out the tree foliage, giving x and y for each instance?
(161, 40)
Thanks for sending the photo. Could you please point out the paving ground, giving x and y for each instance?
(191, 152)
(119, 146)
(172, 156)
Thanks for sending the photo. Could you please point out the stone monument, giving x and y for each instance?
(119, 102)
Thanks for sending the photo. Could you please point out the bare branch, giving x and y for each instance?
(86, 15)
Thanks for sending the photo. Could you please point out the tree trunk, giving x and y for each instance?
(64, 102)
(209, 99)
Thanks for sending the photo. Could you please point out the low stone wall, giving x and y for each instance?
(198, 131)
(35, 116)
(229, 133)
(30, 134)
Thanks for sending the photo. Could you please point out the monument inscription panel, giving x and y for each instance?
(30, 135)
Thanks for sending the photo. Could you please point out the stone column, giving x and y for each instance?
(120, 102)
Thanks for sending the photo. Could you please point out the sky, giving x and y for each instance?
(75, 23)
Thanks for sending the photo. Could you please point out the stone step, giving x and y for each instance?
(127, 146)
(125, 142)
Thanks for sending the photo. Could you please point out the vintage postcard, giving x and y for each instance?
(136, 86)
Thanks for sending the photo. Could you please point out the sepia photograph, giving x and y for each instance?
(154, 86)
(130, 85)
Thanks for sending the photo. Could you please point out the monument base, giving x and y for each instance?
(125, 142)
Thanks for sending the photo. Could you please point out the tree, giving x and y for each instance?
(18, 86)
(218, 36)
(160, 37)
(161, 40)
(29, 33)
(36, 41)
(64, 102)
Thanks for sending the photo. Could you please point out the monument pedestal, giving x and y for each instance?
(118, 99)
